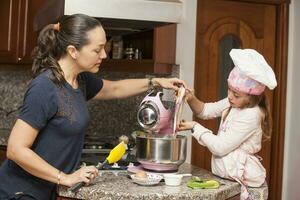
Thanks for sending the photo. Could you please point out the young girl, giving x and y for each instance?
(245, 119)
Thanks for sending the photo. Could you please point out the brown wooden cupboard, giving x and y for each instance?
(158, 49)
(2, 153)
(156, 41)
(21, 20)
(17, 34)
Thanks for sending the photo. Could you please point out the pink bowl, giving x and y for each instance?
(158, 167)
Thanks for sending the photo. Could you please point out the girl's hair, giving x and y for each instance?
(266, 121)
(54, 39)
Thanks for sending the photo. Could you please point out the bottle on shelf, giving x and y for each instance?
(136, 54)
(129, 53)
(117, 50)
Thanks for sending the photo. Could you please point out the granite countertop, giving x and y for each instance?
(4, 134)
(120, 186)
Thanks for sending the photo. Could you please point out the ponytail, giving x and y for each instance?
(45, 55)
(53, 41)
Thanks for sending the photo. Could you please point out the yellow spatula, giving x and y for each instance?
(114, 156)
(116, 153)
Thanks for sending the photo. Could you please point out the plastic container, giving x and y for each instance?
(117, 47)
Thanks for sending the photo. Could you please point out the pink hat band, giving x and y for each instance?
(243, 83)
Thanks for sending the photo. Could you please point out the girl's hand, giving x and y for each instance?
(168, 83)
(183, 125)
(86, 174)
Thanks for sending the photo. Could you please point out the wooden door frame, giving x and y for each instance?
(279, 98)
(279, 101)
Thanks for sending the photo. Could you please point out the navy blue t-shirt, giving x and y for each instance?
(61, 116)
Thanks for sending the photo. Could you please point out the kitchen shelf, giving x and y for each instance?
(156, 44)
(143, 65)
(99, 151)
(158, 47)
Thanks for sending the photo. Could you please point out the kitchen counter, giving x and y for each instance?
(110, 186)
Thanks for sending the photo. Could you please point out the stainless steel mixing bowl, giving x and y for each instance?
(160, 151)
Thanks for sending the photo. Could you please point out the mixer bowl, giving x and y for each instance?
(160, 152)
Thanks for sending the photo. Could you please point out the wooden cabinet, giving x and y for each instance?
(157, 41)
(17, 34)
(64, 198)
(9, 30)
(2, 153)
(158, 48)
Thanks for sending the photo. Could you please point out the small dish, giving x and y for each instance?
(174, 179)
(151, 179)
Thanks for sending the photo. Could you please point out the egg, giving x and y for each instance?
(141, 174)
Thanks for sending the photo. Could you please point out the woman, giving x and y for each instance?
(245, 119)
(45, 144)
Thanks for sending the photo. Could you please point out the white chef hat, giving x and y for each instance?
(251, 72)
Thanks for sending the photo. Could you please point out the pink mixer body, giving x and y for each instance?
(164, 122)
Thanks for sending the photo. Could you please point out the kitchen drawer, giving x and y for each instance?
(64, 198)
(2, 153)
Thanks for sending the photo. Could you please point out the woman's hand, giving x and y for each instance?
(168, 83)
(183, 125)
(86, 174)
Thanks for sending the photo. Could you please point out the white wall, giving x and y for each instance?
(291, 175)
(185, 53)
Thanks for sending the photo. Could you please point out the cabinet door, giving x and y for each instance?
(28, 30)
(2, 154)
(9, 17)
(18, 35)
(164, 48)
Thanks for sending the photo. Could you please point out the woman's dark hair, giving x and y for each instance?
(54, 39)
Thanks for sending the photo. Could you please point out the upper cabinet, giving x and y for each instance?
(146, 25)
(18, 36)
(150, 51)
(9, 31)
(147, 28)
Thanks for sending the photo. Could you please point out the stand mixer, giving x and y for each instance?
(153, 116)
(159, 147)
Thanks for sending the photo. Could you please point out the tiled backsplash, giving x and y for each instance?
(109, 119)
(12, 88)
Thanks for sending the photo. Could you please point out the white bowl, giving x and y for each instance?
(173, 179)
